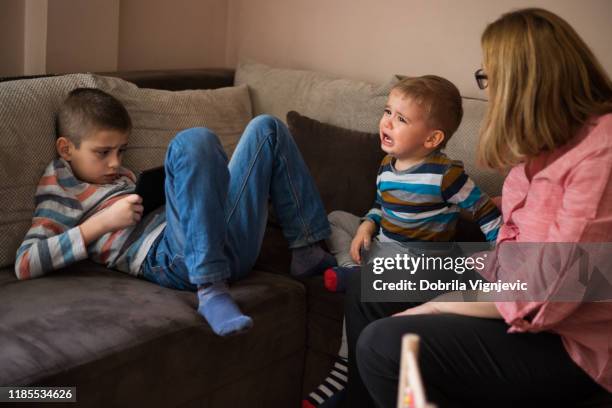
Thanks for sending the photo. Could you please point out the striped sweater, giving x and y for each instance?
(62, 203)
(422, 203)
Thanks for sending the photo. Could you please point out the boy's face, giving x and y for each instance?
(98, 158)
(404, 132)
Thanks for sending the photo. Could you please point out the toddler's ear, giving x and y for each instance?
(62, 146)
(434, 139)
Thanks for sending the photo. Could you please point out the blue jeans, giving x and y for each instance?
(217, 213)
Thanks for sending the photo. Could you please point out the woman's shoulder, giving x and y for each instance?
(594, 139)
(598, 131)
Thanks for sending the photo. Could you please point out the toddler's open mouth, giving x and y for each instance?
(386, 140)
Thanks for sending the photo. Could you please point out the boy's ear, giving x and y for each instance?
(63, 146)
(434, 139)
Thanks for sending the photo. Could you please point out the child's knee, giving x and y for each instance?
(266, 126)
(343, 220)
(265, 121)
(335, 217)
(195, 143)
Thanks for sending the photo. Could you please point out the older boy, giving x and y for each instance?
(211, 228)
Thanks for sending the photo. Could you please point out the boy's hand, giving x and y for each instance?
(123, 213)
(362, 238)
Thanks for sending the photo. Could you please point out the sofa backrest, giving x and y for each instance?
(27, 146)
(353, 105)
(462, 146)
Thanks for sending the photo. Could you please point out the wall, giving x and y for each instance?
(162, 34)
(82, 35)
(35, 37)
(372, 40)
(362, 39)
(42, 36)
(11, 37)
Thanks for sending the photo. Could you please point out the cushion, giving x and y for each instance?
(343, 162)
(103, 330)
(463, 144)
(27, 145)
(342, 102)
(157, 116)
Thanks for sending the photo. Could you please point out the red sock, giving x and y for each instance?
(307, 404)
(330, 278)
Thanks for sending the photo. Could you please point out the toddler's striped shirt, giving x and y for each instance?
(422, 203)
(63, 203)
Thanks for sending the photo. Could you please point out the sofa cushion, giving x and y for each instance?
(338, 101)
(27, 145)
(157, 116)
(343, 162)
(122, 336)
(462, 146)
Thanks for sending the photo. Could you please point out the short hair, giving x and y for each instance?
(544, 83)
(440, 100)
(89, 109)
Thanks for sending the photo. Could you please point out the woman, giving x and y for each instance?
(549, 118)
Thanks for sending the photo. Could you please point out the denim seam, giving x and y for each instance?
(244, 183)
(306, 228)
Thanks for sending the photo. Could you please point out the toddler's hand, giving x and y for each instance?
(123, 213)
(362, 238)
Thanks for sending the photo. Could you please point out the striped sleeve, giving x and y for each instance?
(53, 241)
(375, 213)
(459, 189)
(43, 251)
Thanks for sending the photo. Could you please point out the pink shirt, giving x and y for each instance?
(568, 198)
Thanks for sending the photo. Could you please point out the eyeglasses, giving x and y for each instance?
(481, 78)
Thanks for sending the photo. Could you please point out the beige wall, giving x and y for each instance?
(162, 34)
(52, 36)
(362, 39)
(11, 37)
(35, 37)
(371, 40)
(82, 35)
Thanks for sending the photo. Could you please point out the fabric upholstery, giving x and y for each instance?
(343, 162)
(338, 101)
(157, 116)
(463, 144)
(124, 339)
(27, 146)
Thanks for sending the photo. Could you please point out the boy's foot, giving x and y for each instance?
(220, 310)
(310, 260)
(336, 278)
(332, 390)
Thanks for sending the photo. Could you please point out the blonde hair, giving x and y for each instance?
(544, 83)
(440, 100)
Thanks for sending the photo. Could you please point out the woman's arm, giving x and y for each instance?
(450, 303)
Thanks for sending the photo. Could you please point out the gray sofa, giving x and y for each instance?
(123, 341)
(126, 342)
